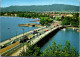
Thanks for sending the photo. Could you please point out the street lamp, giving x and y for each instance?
(23, 37)
(16, 34)
(23, 31)
(8, 31)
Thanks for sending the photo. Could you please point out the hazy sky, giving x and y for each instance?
(6, 3)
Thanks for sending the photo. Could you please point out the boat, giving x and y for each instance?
(78, 30)
(63, 29)
(8, 28)
(73, 28)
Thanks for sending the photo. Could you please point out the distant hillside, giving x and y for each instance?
(41, 8)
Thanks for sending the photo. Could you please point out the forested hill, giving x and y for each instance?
(41, 8)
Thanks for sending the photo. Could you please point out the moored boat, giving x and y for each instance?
(63, 29)
(78, 30)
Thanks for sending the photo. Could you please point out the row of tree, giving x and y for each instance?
(25, 14)
(53, 50)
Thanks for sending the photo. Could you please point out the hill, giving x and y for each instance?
(41, 8)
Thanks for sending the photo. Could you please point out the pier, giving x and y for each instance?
(29, 25)
(15, 48)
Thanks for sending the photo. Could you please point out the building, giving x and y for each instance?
(6, 14)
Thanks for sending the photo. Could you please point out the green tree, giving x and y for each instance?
(56, 18)
(21, 14)
(60, 50)
(66, 21)
(62, 17)
(74, 21)
(45, 20)
(42, 21)
(31, 51)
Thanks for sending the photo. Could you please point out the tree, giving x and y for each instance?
(31, 51)
(21, 14)
(53, 50)
(56, 18)
(62, 17)
(42, 21)
(60, 50)
(66, 21)
(74, 21)
(45, 20)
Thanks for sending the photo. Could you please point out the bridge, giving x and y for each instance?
(15, 48)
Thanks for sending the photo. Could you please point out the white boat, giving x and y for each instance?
(64, 29)
(73, 28)
(78, 30)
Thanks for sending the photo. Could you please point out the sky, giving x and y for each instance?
(7, 3)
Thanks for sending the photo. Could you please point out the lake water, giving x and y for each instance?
(12, 24)
(62, 36)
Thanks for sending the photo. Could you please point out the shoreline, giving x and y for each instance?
(8, 16)
(18, 16)
(73, 27)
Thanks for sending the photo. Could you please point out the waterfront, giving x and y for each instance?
(62, 36)
(9, 26)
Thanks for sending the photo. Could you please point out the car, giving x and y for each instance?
(12, 42)
(33, 36)
(44, 31)
(24, 39)
(29, 38)
(38, 30)
(3, 46)
(39, 33)
(57, 25)
(28, 41)
(35, 32)
(51, 28)
(47, 30)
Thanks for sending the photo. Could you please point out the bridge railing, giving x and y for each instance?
(10, 51)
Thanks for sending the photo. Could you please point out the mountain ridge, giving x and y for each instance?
(53, 7)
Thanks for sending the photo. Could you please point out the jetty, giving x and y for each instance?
(35, 21)
(29, 25)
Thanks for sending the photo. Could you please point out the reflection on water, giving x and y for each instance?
(62, 36)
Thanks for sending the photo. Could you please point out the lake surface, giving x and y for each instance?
(62, 36)
(9, 26)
